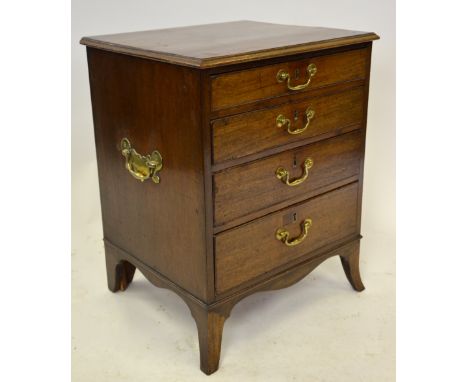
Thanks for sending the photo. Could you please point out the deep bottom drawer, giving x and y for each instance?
(254, 248)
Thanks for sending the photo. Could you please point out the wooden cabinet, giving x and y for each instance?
(230, 159)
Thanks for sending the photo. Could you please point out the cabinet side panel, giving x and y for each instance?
(157, 107)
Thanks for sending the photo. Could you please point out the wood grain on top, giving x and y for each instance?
(227, 43)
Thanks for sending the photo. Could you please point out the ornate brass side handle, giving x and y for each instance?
(283, 235)
(283, 174)
(141, 167)
(283, 75)
(281, 120)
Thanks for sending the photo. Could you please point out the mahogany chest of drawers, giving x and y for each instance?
(230, 159)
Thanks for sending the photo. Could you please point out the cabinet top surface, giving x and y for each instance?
(213, 45)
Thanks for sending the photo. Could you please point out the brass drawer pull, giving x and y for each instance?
(283, 174)
(283, 235)
(281, 120)
(283, 75)
(141, 167)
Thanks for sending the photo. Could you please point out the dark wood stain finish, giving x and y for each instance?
(249, 133)
(215, 45)
(127, 103)
(249, 85)
(206, 98)
(254, 186)
(252, 249)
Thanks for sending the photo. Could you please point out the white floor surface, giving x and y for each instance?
(316, 330)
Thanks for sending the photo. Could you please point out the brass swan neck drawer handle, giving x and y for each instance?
(141, 167)
(283, 235)
(283, 174)
(281, 120)
(283, 75)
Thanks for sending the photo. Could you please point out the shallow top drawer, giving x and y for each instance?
(246, 86)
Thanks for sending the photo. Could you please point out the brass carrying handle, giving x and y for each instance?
(283, 235)
(141, 167)
(283, 174)
(281, 120)
(283, 75)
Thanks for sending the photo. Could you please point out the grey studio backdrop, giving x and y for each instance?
(317, 330)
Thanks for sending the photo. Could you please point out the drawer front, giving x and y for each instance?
(254, 249)
(252, 187)
(249, 133)
(246, 86)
